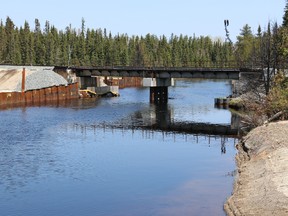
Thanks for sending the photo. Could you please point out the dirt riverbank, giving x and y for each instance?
(261, 185)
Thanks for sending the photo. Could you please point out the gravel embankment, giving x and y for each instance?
(261, 187)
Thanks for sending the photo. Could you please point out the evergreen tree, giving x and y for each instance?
(175, 51)
(64, 54)
(132, 44)
(124, 58)
(25, 44)
(91, 47)
(9, 47)
(108, 48)
(244, 46)
(285, 17)
(16, 52)
(39, 45)
(96, 47)
(81, 51)
(164, 52)
(2, 42)
(49, 44)
(139, 52)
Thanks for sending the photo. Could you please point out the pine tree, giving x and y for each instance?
(39, 44)
(2, 42)
(123, 49)
(285, 17)
(89, 46)
(108, 46)
(9, 45)
(25, 43)
(64, 54)
(49, 42)
(132, 51)
(17, 51)
(244, 46)
(175, 51)
(81, 51)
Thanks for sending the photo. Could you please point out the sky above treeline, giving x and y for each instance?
(158, 17)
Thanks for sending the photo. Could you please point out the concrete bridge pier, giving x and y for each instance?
(158, 89)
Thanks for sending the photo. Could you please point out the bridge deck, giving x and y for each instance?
(158, 72)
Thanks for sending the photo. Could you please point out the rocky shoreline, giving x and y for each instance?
(261, 185)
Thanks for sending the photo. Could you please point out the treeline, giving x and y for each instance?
(97, 47)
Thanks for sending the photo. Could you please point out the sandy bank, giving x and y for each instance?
(261, 186)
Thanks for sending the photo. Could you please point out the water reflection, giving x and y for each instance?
(148, 133)
(97, 162)
(25, 158)
(118, 156)
(161, 117)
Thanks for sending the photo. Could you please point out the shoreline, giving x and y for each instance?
(261, 183)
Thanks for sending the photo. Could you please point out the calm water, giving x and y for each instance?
(86, 158)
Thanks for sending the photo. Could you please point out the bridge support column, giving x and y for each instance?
(159, 95)
(158, 89)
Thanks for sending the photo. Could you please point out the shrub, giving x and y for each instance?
(277, 99)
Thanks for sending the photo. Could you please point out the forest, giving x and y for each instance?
(96, 47)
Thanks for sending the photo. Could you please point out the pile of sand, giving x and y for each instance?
(261, 187)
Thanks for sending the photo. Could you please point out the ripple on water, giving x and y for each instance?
(71, 161)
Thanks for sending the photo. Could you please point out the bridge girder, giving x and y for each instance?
(204, 73)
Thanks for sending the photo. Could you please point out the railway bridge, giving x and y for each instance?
(157, 78)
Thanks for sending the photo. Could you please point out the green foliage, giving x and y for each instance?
(95, 47)
(277, 99)
(245, 46)
(283, 46)
(285, 17)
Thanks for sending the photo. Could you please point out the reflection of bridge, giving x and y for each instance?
(182, 127)
(162, 121)
(159, 77)
(160, 118)
(197, 128)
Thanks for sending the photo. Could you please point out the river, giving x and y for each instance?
(93, 157)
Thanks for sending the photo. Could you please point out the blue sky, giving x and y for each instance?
(159, 17)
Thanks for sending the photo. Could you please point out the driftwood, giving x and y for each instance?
(276, 116)
(248, 122)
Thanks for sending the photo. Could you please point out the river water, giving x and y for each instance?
(93, 157)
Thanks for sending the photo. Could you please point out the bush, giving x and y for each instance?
(277, 99)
